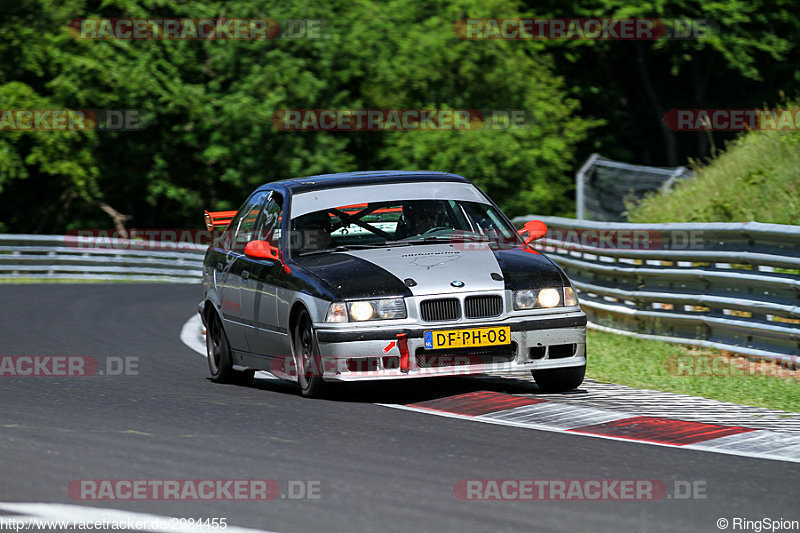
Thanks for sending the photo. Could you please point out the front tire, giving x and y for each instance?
(220, 361)
(307, 359)
(559, 379)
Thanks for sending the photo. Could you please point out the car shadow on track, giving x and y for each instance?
(409, 391)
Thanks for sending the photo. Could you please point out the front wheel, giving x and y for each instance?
(308, 362)
(559, 379)
(220, 362)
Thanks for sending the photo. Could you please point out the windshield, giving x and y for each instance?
(398, 223)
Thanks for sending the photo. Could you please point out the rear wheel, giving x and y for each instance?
(307, 359)
(559, 379)
(220, 361)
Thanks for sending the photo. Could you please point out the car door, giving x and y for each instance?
(239, 233)
(259, 286)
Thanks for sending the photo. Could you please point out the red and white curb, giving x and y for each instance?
(563, 413)
(537, 413)
(642, 402)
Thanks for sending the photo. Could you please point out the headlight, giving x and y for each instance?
(544, 298)
(524, 299)
(362, 310)
(390, 308)
(337, 312)
(549, 297)
(570, 298)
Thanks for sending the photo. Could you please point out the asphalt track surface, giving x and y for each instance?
(380, 468)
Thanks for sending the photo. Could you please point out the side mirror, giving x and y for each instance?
(262, 250)
(532, 230)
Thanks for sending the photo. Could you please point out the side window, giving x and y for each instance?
(269, 227)
(240, 230)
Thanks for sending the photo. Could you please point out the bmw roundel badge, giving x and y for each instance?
(458, 284)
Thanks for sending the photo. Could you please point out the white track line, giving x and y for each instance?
(33, 513)
(192, 335)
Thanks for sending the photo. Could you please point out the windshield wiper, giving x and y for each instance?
(344, 248)
(450, 238)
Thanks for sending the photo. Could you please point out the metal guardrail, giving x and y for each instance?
(73, 257)
(732, 286)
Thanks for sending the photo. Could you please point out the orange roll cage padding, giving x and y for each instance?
(355, 208)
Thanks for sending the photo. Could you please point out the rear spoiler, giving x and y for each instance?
(218, 219)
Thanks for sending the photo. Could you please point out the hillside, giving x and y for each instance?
(756, 178)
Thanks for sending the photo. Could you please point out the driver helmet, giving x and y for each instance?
(423, 215)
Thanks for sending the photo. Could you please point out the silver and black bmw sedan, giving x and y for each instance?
(384, 275)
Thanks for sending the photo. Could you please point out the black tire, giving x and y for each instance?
(559, 379)
(307, 360)
(218, 352)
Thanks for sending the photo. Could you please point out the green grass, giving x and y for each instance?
(756, 178)
(648, 364)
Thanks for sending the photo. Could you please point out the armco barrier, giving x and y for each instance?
(732, 286)
(73, 257)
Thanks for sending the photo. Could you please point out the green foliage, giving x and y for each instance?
(209, 106)
(747, 58)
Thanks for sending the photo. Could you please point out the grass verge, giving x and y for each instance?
(656, 365)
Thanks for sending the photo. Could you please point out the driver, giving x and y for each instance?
(315, 232)
(422, 216)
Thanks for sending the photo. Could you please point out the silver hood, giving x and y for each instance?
(438, 268)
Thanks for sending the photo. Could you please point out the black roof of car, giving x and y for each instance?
(347, 179)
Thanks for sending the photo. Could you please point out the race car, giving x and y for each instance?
(384, 275)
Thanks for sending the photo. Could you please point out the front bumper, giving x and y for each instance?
(553, 340)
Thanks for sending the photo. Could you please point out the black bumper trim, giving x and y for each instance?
(417, 332)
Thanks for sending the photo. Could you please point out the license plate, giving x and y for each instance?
(467, 338)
